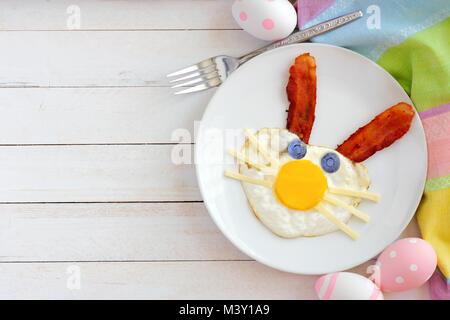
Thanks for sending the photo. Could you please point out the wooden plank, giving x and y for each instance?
(160, 280)
(115, 15)
(160, 232)
(115, 232)
(98, 115)
(95, 173)
(111, 232)
(122, 58)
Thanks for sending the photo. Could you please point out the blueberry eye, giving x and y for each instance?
(330, 162)
(297, 149)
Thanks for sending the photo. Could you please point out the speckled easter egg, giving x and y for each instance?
(265, 19)
(347, 286)
(406, 264)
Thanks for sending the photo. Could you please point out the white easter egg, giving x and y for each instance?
(347, 286)
(265, 19)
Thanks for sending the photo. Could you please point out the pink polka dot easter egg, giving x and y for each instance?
(406, 264)
(347, 286)
(265, 19)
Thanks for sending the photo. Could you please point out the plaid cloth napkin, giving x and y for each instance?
(411, 40)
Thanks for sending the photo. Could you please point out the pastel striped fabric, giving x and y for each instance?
(410, 39)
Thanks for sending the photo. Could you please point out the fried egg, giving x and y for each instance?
(298, 190)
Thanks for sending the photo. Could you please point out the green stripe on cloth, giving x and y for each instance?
(421, 65)
(437, 183)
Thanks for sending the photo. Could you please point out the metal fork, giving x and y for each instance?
(213, 71)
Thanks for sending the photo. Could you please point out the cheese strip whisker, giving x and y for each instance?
(247, 160)
(342, 226)
(338, 203)
(244, 178)
(266, 153)
(375, 197)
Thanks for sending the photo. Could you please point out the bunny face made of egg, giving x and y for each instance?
(289, 209)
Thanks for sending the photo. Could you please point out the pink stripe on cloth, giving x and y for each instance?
(439, 287)
(437, 131)
(435, 111)
(309, 9)
(329, 292)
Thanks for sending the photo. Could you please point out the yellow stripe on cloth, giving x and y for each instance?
(434, 220)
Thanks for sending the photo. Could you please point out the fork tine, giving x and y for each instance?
(183, 71)
(208, 76)
(195, 74)
(205, 85)
(201, 65)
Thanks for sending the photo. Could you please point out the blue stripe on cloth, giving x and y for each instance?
(398, 20)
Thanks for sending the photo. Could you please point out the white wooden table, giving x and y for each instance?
(91, 205)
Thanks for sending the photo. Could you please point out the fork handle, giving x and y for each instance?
(306, 34)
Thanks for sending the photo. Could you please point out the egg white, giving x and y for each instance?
(289, 223)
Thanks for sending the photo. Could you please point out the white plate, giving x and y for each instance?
(351, 91)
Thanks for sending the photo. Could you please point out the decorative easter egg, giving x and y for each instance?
(347, 286)
(265, 19)
(406, 264)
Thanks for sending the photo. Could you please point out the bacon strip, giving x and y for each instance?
(381, 132)
(301, 92)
